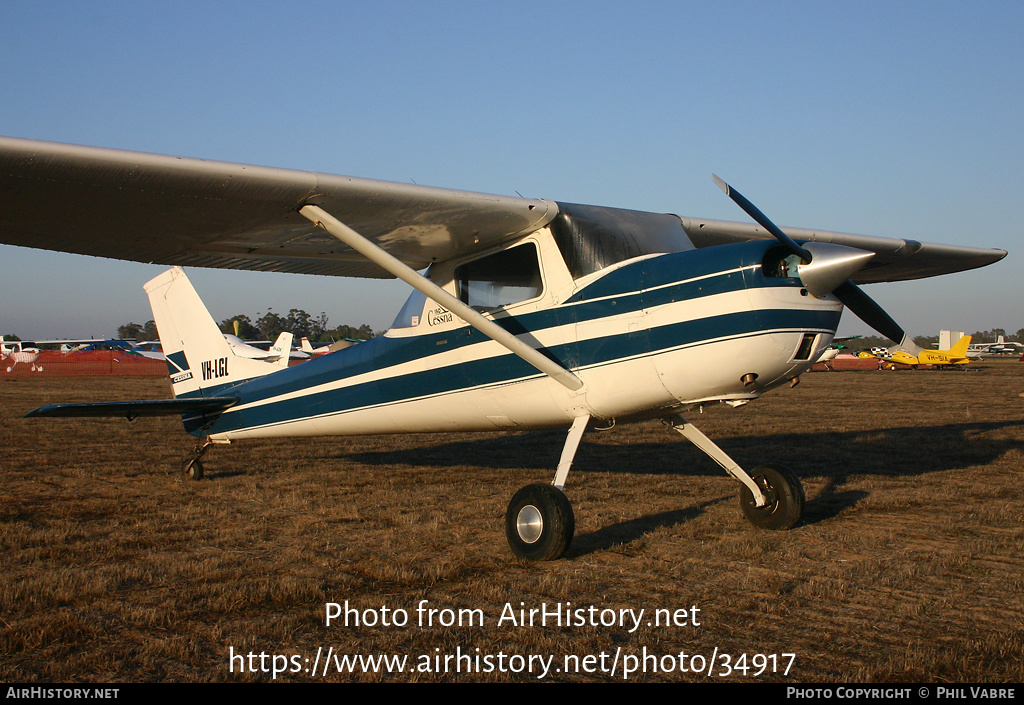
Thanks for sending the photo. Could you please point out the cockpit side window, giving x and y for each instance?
(500, 279)
(779, 262)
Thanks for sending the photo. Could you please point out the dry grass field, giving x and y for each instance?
(909, 565)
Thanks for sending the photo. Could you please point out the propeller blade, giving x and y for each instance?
(851, 295)
(762, 220)
(865, 308)
(854, 298)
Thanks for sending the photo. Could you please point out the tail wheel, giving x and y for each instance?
(785, 496)
(539, 523)
(193, 469)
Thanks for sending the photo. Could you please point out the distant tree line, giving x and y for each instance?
(297, 322)
(266, 327)
(133, 331)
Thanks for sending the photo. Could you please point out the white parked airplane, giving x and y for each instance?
(307, 347)
(999, 347)
(833, 350)
(27, 352)
(14, 351)
(533, 314)
(280, 352)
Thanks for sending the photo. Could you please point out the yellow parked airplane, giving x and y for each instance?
(956, 355)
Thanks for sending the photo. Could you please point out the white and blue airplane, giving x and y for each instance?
(528, 314)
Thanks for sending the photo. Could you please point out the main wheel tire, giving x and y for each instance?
(785, 496)
(193, 469)
(539, 523)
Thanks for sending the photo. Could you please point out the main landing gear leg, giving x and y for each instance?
(772, 496)
(539, 522)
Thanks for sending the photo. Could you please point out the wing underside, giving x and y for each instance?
(192, 212)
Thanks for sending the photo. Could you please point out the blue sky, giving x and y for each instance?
(900, 119)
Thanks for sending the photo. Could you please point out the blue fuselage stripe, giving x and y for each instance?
(660, 283)
(509, 368)
(383, 352)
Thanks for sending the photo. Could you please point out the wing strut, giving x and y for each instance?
(483, 324)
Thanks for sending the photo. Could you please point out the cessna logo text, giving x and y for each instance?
(437, 316)
(215, 369)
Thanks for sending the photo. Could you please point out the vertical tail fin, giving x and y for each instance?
(198, 356)
(282, 348)
(955, 355)
(960, 349)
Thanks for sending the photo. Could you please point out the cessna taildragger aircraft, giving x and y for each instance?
(531, 313)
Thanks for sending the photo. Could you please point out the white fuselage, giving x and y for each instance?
(647, 336)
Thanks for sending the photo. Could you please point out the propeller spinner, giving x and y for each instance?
(827, 268)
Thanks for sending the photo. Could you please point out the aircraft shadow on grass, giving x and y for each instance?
(626, 532)
(907, 451)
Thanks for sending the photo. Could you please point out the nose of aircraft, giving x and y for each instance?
(851, 295)
(830, 266)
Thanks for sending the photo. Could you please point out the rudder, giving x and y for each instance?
(198, 356)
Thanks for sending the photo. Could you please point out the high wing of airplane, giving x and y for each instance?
(531, 314)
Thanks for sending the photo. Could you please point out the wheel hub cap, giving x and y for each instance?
(529, 524)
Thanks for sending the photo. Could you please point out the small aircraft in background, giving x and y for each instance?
(149, 349)
(307, 347)
(956, 356)
(1000, 347)
(280, 352)
(28, 351)
(837, 346)
(873, 352)
(15, 351)
(115, 344)
(531, 313)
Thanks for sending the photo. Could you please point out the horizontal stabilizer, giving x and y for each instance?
(134, 409)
